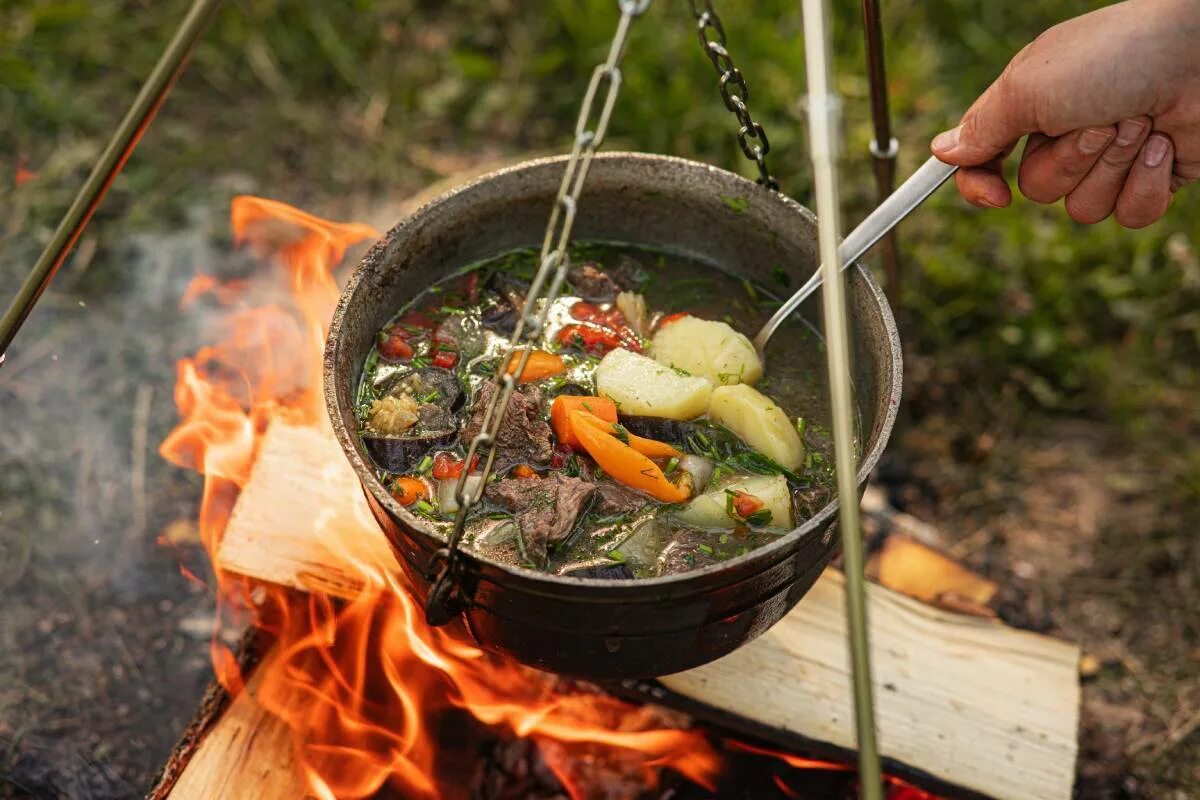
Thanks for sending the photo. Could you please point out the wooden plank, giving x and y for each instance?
(968, 701)
(247, 753)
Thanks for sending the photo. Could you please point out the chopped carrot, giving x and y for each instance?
(408, 490)
(540, 365)
(624, 463)
(523, 471)
(647, 447)
(564, 404)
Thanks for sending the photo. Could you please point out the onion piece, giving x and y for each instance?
(700, 467)
(447, 504)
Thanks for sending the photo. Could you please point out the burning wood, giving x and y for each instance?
(363, 695)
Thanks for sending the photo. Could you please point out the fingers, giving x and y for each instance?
(1052, 168)
(992, 125)
(984, 186)
(1096, 195)
(1147, 190)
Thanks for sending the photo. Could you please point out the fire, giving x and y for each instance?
(372, 695)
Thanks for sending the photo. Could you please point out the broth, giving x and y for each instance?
(548, 505)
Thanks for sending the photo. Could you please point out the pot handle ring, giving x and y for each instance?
(446, 599)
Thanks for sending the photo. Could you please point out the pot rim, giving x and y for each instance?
(766, 553)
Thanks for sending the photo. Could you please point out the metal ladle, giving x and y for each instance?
(899, 204)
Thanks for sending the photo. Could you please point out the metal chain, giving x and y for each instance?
(445, 595)
(734, 91)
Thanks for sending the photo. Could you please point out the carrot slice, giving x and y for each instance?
(540, 365)
(564, 404)
(624, 463)
(647, 447)
(523, 471)
(409, 490)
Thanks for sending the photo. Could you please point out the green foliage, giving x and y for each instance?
(308, 100)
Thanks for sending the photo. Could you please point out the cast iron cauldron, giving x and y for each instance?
(604, 629)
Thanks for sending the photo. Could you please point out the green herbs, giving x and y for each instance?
(704, 548)
(425, 465)
(756, 462)
(738, 205)
(672, 465)
(727, 378)
(731, 454)
(759, 518)
(781, 277)
(616, 555)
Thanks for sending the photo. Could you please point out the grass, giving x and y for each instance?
(330, 106)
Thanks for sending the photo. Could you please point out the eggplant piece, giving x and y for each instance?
(573, 389)
(592, 283)
(672, 431)
(404, 453)
(611, 570)
(502, 312)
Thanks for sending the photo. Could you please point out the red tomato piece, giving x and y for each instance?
(446, 466)
(745, 504)
(417, 319)
(586, 312)
(445, 359)
(597, 340)
(395, 347)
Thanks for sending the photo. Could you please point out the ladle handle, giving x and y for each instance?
(899, 204)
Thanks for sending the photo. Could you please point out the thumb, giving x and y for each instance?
(990, 128)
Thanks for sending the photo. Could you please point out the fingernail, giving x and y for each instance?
(1155, 150)
(1128, 131)
(1093, 140)
(947, 140)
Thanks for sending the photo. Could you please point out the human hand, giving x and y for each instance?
(1111, 103)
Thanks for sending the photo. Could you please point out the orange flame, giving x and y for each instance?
(366, 686)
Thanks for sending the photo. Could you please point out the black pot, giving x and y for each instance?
(589, 627)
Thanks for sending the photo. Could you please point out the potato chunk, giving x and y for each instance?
(711, 509)
(759, 421)
(641, 386)
(708, 348)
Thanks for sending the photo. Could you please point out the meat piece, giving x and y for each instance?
(628, 273)
(523, 435)
(613, 498)
(686, 551)
(546, 508)
(593, 284)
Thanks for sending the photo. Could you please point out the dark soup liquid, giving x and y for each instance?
(644, 437)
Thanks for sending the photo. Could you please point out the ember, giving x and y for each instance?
(373, 697)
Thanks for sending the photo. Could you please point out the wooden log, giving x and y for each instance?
(962, 702)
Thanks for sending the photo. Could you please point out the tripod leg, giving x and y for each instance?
(884, 147)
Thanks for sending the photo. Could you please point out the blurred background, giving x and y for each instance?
(1051, 416)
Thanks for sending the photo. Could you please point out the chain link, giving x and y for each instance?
(445, 569)
(734, 91)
